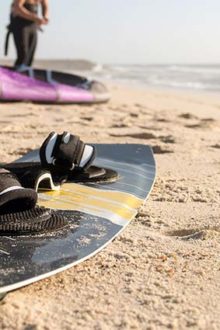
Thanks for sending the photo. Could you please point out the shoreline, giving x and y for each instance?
(136, 85)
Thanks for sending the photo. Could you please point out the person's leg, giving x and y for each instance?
(21, 45)
(32, 45)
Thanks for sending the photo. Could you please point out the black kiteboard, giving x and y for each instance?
(97, 213)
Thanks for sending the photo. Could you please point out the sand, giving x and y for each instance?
(163, 271)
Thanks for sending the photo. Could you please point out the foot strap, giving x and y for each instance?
(63, 158)
(65, 152)
(31, 175)
(18, 211)
(13, 197)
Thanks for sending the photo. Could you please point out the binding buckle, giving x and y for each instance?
(54, 163)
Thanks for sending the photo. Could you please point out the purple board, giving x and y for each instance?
(63, 88)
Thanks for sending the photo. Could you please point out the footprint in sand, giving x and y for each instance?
(144, 136)
(187, 115)
(154, 128)
(133, 114)
(22, 115)
(5, 122)
(216, 146)
(203, 123)
(87, 118)
(198, 123)
(139, 105)
(162, 120)
(167, 139)
(119, 125)
(195, 234)
(157, 149)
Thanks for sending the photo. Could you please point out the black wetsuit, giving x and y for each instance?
(25, 36)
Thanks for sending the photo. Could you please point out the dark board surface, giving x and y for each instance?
(96, 214)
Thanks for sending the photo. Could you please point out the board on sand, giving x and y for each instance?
(49, 86)
(97, 213)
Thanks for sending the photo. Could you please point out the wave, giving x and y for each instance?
(196, 69)
(194, 77)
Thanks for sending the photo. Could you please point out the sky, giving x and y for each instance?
(128, 31)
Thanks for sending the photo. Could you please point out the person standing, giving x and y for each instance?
(24, 25)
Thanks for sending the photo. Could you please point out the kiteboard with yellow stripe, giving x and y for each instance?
(96, 213)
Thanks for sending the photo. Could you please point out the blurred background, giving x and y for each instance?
(173, 44)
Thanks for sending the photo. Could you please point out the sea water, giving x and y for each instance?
(191, 77)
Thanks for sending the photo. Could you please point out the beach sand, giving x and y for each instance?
(163, 271)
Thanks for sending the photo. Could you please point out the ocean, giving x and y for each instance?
(185, 77)
(200, 77)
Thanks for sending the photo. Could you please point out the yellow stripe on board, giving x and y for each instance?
(118, 207)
